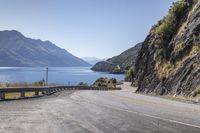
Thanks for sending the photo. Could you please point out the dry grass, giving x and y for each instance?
(195, 50)
(179, 47)
(165, 68)
(197, 92)
(18, 95)
(23, 84)
(181, 98)
(29, 94)
(184, 25)
(12, 95)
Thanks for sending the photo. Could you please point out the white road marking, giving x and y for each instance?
(143, 114)
(159, 118)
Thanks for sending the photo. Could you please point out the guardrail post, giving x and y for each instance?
(43, 92)
(22, 94)
(37, 93)
(2, 95)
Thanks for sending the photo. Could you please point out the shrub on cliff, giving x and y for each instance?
(169, 23)
(129, 75)
(167, 27)
(196, 91)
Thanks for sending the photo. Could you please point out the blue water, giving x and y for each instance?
(58, 75)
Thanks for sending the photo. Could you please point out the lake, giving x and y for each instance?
(60, 75)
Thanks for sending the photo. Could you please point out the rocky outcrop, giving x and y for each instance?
(169, 60)
(120, 63)
(17, 50)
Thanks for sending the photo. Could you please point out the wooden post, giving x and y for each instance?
(22, 94)
(44, 92)
(2, 95)
(37, 93)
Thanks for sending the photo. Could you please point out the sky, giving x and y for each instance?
(85, 28)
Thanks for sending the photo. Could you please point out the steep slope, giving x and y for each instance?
(120, 63)
(17, 50)
(8, 58)
(169, 60)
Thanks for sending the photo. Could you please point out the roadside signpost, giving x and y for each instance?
(47, 76)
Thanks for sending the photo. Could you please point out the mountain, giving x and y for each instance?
(91, 60)
(17, 50)
(120, 63)
(169, 60)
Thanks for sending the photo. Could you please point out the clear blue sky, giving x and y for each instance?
(101, 28)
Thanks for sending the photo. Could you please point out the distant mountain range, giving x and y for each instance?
(16, 50)
(120, 63)
(91, 60)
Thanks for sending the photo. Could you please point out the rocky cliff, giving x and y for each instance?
(120, 63)
(17, 50)
(169, 60)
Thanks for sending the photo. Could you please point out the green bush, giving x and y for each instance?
(113, 80)
(168, 27)
(169, 24)
(82, 84)
(105, 82)
(129, 75)
(197, 91)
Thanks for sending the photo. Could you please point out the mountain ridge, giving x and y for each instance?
(34, 52)
(120, 63)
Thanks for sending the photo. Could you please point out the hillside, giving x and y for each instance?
(18, 50)
(120, 63)
(169, 60)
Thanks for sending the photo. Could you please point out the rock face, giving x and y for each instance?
(120, 63)
(169, 60)
(17, 50)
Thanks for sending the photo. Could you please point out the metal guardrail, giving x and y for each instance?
(47, 90)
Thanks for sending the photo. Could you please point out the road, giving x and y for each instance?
(99, 112)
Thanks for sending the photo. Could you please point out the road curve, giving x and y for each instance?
(99, 112)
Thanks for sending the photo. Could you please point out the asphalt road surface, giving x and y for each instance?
(99, 112)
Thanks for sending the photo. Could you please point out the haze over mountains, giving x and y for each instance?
(16, 50)
(91, 60)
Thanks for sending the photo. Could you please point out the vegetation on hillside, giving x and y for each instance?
(196, 92)
(168, 62)
(168, 27)
(129, 75)
(119, 64)
(170, 22)
(164, 32)
(105, 82)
